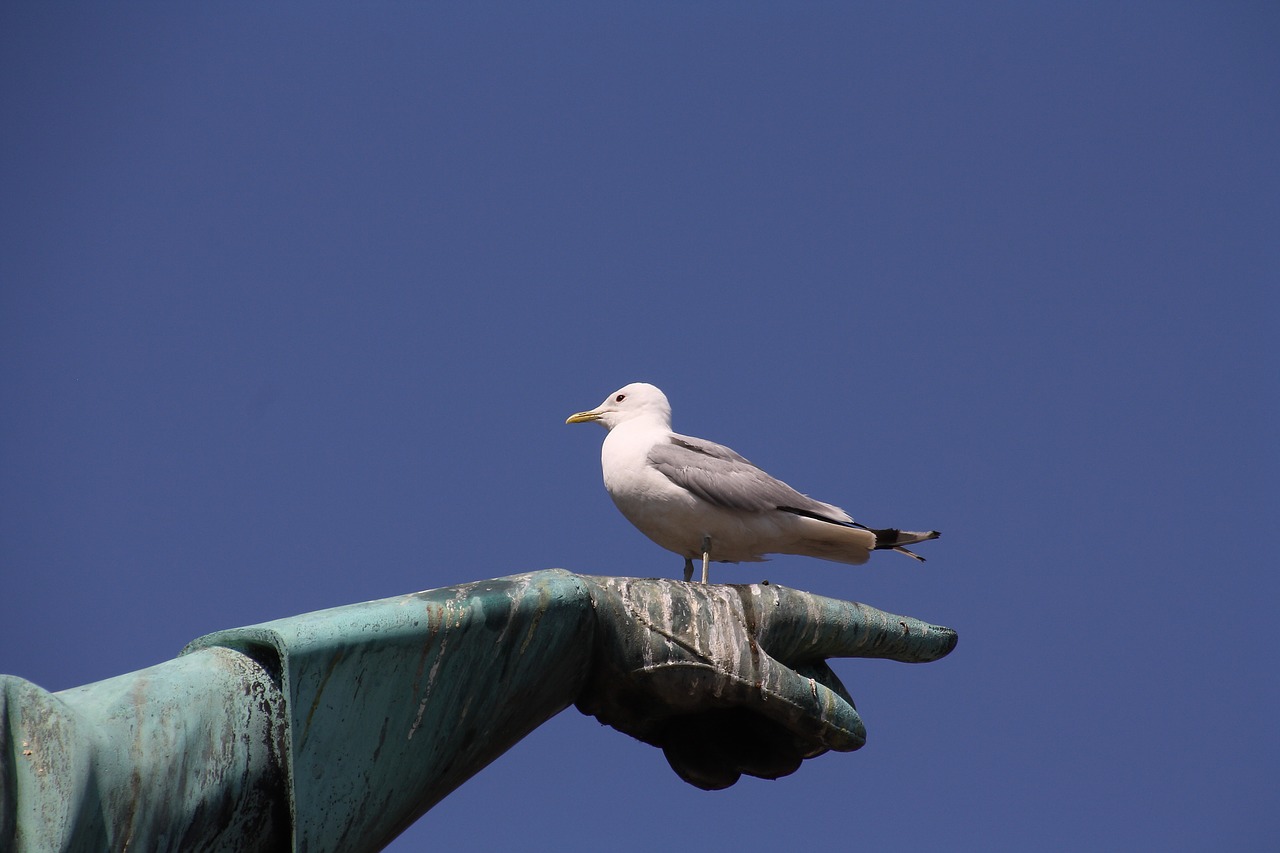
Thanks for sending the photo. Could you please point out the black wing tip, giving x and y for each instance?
(808, 513)
(891, 537)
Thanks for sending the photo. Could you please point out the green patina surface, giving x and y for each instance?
(181, 756)
(394, 703)
(339, 727)
(335, 730)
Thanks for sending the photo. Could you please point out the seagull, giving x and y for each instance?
(699, 498)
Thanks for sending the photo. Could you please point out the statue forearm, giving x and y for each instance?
(339, 727)
(392, 704)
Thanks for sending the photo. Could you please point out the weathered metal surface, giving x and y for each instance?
(335, 730)
(180, 756)
(395, 703)
(732, 679)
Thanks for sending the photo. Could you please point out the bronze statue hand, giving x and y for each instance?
(732, 679)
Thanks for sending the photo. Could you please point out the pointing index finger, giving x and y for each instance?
(797, 626)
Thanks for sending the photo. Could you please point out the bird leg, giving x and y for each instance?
(688, 569)
(706, 556)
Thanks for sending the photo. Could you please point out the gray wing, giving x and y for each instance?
(726, 479)
(709, 448)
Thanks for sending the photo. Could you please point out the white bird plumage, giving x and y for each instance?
(702, 499)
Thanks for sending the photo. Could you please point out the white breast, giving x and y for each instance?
(669, 515)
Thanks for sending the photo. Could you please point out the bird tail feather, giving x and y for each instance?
(849, 542)
(890, 538)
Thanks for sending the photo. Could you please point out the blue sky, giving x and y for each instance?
(295, 302)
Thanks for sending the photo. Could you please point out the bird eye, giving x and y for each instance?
(619, 398)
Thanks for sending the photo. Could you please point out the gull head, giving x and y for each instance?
(637, 400)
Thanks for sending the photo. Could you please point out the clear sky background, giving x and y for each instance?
(295, 302)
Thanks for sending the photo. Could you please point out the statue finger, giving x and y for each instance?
(813, 704)
(798, 626)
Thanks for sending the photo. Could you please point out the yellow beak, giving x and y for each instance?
(583, 417)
